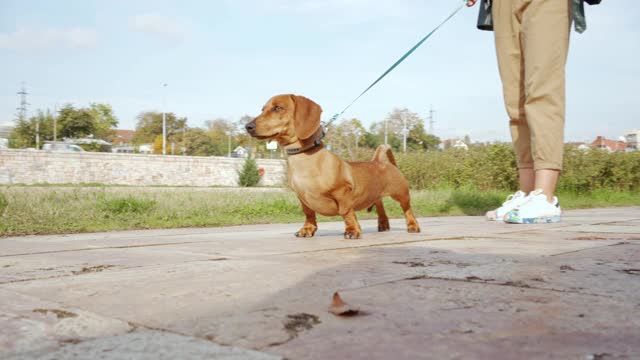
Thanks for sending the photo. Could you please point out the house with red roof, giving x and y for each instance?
(610, 145)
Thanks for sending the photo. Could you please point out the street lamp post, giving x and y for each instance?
(164, 120)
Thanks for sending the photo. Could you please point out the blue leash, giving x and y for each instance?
(406, 55)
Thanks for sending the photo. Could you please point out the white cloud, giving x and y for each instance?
(165, 28)
(29, 40)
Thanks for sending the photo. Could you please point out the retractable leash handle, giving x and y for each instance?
(398, 62)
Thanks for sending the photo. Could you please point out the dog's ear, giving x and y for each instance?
(306, 118)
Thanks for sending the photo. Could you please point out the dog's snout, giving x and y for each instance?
(251, 127)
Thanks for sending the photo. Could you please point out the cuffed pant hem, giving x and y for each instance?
(547, 166)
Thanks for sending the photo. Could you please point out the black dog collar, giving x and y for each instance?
(319, 134)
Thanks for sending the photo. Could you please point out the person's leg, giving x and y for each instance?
(507, 31)
(546, 180)
(510, 64)
(545, 42)
(527, 179)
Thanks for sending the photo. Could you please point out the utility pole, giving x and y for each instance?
(164, 119)
(385, 131)
(184, 139)
(55, 126)
(22, 112)
(431, 121)
(404, 135)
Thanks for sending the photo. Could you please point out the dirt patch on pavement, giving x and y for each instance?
(300, 322)
(630, 271)
(60, 314)
(92, 269)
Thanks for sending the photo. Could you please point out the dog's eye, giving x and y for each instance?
(277, 108)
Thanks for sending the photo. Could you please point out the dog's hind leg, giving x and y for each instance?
(383, 220)
(310, 225)
(405, 202)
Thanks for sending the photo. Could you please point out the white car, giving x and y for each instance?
(62, 147)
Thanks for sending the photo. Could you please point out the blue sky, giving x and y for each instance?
(225, 58)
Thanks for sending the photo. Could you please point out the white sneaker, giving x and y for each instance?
(535, 210)
(512, 202)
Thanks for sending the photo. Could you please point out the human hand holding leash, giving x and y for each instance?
(470, 3)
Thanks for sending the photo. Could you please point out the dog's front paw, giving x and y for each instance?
(353, 234)
(306, 232)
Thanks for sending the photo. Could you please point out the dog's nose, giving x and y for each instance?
(251, 127)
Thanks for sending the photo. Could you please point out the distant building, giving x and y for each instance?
(454, 143)
(123, 141)
(610, 145)
(123, 137)
(632, 137)
(6, 128)
(240, 152)
(145, 148)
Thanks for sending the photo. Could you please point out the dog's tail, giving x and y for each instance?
(383, 154)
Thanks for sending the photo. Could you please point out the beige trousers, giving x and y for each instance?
(532, 41)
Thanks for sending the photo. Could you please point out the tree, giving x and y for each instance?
(157, 145)
(197, 143)
(419, 139)
(345, 137)
(396, 120)
(75, 123)
(24, 134)
(221, 131)
(372, 140)
(104, 120)
(393, 139)
(149, 126)
(242, 138)
(96, 120)
(249, 175)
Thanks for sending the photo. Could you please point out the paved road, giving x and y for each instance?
(463, 289)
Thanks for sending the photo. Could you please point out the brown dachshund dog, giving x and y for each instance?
(324, 183)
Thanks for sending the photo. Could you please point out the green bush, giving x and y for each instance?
(493, 167)
(128, 205)
(249, 175)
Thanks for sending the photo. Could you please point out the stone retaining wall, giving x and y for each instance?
(39, 167)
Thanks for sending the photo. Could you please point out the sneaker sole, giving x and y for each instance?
(538, 220)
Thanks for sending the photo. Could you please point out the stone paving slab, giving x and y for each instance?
(148, 345)
(457, 320)
(616, 229)
(30, 324)
(464, 288)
